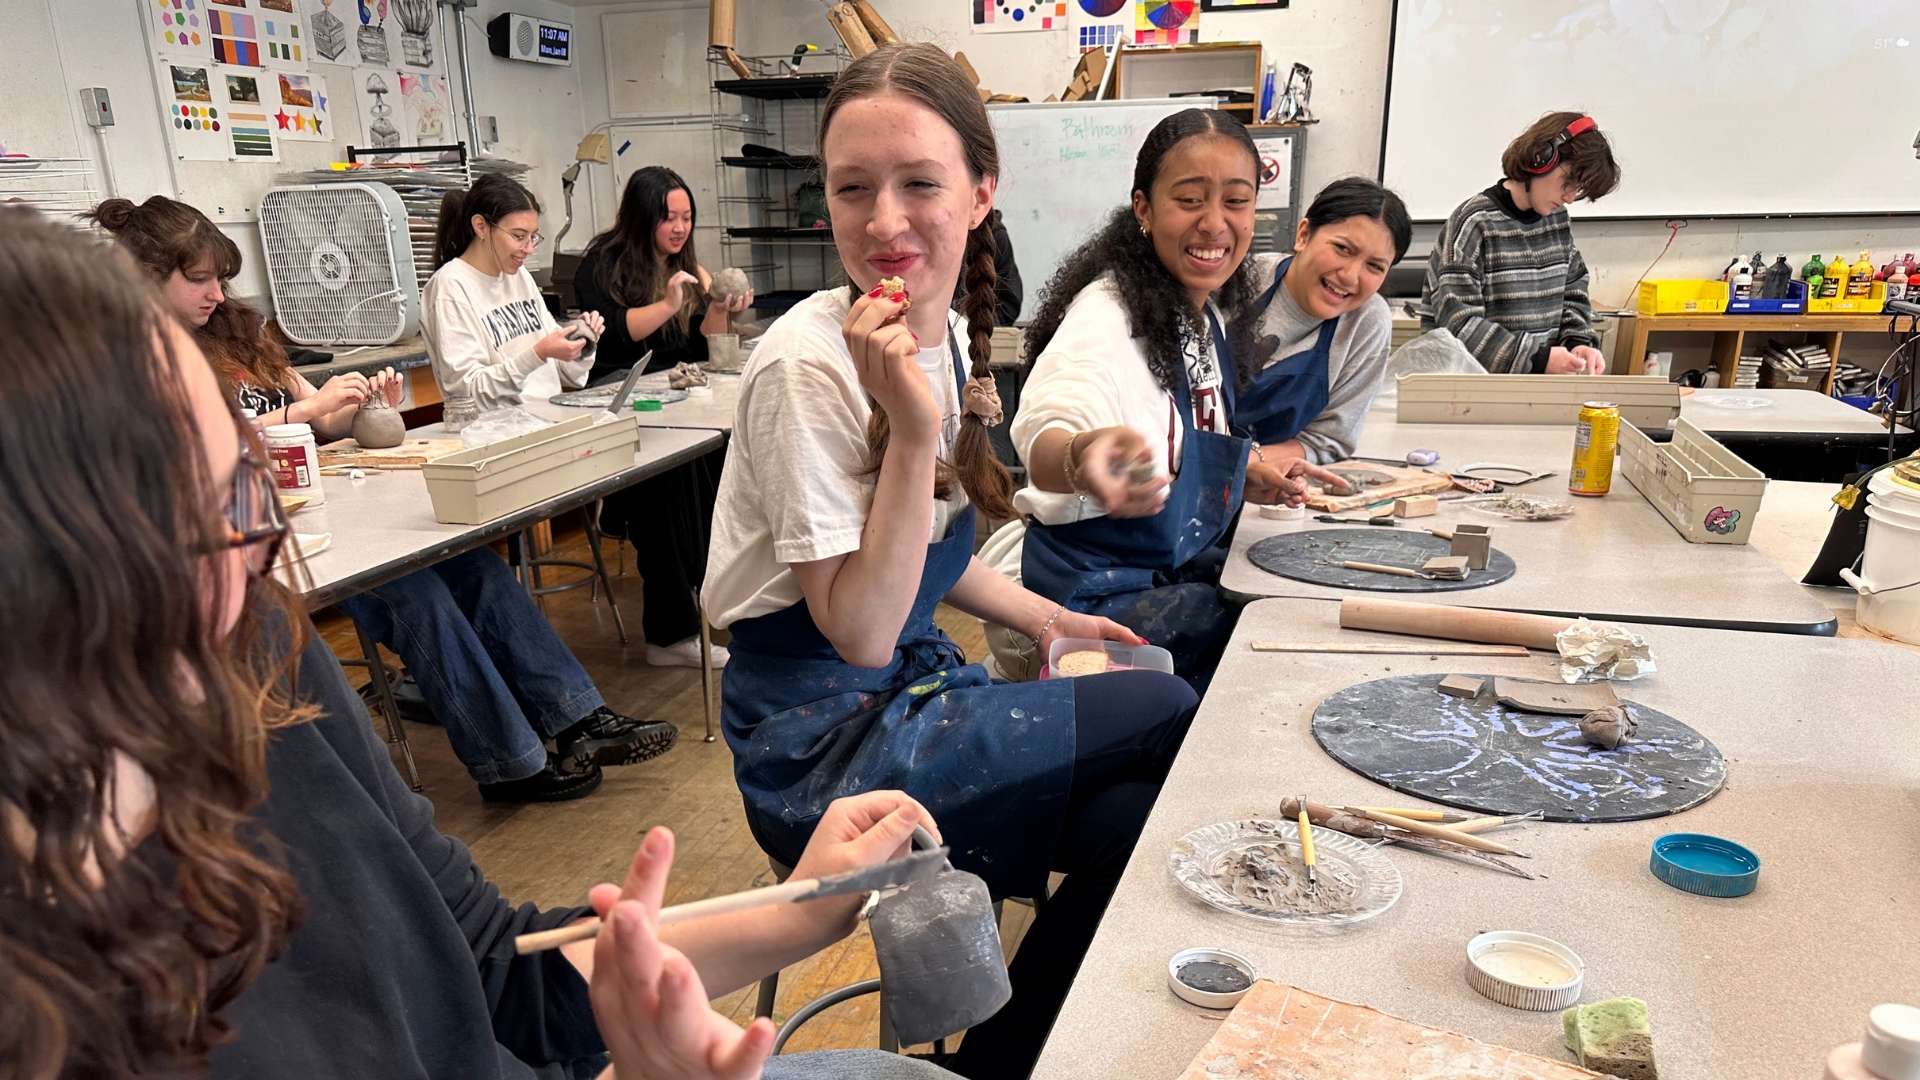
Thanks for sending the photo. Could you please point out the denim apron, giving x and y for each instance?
(991, 762)
(1130, 570)
(1288, 394)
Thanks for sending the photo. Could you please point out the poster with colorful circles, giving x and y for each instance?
(196, 112)
(1166, 22)
(1003, 16)
(1097, 24)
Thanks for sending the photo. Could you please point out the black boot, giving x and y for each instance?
(562, 780)
(611, 739)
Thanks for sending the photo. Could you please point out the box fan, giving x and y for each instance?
(340, 263)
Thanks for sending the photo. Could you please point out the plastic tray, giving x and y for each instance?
(1703, 489)
(487, 482)
(1794, 304)
(1869, 304)
(1683, 297)
(1119, 657)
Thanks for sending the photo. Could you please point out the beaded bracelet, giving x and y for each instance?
(1051, 619)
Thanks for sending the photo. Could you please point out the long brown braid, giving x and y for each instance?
(922, 72)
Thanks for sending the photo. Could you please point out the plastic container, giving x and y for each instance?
(1891, 1048)
(1705, 865)
(1682, 297)
(1869, 304)
(295, 459)
(1703, 489)
(1210, 998)
(1119, 657)
(1524, 971)
(1889, 600)
(1794, 304)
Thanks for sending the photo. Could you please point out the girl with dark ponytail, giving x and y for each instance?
(858, 461)
(1124, 421)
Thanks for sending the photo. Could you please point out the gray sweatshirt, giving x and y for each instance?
(1355, 364)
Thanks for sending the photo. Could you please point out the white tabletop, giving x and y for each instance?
(1615, 557)
(382, 525)
(711, 412)
(1785, 412)
(1760, 986)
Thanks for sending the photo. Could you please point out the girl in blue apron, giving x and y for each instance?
(1320, 332)
(846, 513)
(1124, 418)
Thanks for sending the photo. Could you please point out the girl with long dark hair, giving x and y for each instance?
(486, 326)
(1320, 332)
(644, 279)
(858, 461)
(1124, 420)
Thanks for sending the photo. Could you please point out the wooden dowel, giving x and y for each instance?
(1441, 832)
(698, 909)
(1399, 571)
(1455, 623)
(1388, 648)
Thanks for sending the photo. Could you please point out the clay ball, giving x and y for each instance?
(730, 284)
(1609, 727)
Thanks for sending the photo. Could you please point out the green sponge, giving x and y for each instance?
(1612, 1037)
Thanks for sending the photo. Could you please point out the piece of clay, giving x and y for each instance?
(1609, 727)
(1284, 513)
(1447, 567)
(685, 375)
(580, 331)
(1140, 470)
(1084, 662)
(1460, 686)
(1473, 541)
(1555, 698)
(731, 284)
(377, 425)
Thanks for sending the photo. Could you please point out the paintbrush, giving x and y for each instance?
(1306, 846)
(1340, 819)
(1419, 814)
(1441, 832)
(888, 875)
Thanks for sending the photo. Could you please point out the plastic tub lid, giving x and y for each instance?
(646, 405)
(1705, 865)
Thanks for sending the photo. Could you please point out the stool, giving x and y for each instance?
(383, 690)
(530, 564)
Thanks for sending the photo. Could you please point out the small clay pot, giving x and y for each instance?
(377, 425)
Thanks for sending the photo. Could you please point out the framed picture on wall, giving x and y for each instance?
(1241, 5)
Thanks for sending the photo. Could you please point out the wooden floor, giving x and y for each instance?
(552, 854)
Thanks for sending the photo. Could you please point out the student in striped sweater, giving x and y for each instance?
(1504, 276)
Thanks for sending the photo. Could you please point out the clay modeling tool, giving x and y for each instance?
(1380, 519)
(1341, 819)
(619, 401)
(1388, 648)
(1306, 845)
(1417, 814)
(1397, 571)
(1482, 824)
(1441, 832)
(888, 875)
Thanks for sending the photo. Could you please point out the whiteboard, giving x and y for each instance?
(1713, 106)
(1064, 167)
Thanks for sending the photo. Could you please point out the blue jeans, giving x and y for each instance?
(488, 663)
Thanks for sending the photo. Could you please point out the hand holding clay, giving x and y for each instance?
(647, 998)
(857, 832)
(559, 346)
(389, 384)
(1570, 362)
(883, 352)
(1285, 481)
(1113, 465)
(337, 393)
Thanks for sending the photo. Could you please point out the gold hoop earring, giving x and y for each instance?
(1146, 230)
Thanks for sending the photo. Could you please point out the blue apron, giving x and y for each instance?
(992, 762)
(1288, 394)
(1136, 571)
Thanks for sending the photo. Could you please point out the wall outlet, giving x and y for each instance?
(489, 130)
(99, 108)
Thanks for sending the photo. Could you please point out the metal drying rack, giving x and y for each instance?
(56, 186)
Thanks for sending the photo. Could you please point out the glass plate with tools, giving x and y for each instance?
(1253, 868)
(599, 397)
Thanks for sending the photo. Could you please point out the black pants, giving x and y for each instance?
(668, 519)
(1127, 728)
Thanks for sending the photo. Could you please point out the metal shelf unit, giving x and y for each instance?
(57, 187)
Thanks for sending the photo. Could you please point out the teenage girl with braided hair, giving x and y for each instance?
(846, 513)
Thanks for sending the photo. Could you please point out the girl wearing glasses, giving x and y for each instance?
(486, 326)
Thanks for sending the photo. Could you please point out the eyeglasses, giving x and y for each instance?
(255, 519)
(524, 239)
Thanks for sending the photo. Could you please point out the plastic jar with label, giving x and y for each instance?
(294, 457)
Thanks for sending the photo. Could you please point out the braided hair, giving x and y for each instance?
(930, 77)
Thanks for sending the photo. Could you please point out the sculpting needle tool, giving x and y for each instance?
(1306, 846)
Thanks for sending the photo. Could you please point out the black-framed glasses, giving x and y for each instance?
(255, 519)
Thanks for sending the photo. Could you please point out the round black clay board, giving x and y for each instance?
(1480, 755)
(1315, 556)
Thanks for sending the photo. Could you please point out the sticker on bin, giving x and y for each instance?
(1070, 657)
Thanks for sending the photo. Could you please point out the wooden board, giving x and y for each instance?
(1281, 1032)
(1401, 482)
(410, 454)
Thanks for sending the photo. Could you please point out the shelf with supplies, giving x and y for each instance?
(1223, 67)
(779, 88)
(1730, 332)
(768, 190)
(789, 162)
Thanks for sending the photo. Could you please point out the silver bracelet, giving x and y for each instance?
(1051, 619)
(1257, 452)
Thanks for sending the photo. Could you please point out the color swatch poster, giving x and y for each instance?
(301, 111)
(235, 33)
(1097, 24)
(280, 34)
(196, 124)
(249, 128)
(1002, 16)
(1166, 22)
(180, 26)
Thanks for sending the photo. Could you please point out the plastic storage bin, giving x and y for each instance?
(1794, 304)
(1869, 304)
(1119, 657)
(1682, 297)
(1703, 489)
(487, 482)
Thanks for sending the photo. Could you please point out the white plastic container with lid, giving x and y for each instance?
(295, 459)
(1891, 1048)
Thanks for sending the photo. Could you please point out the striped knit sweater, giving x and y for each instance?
(1508, 283)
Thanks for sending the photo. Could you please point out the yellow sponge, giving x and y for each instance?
(1612, 1037)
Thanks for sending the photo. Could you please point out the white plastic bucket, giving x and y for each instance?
(1884, 491)
(1891, 560)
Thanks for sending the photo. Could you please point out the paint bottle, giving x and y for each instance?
(1779, 279)
(1813, 274)
(1860, 278)
(1743, 282)
(295, 459)
(1898, 282)
(1835, 283)
(1759, 265)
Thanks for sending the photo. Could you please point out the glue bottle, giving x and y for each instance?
(295, 458)
(1743, 282)
(1835, 283)
(1860, 278)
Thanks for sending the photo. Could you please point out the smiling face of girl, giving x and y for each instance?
(1200, 211)
(671, 234)
(900, 194)
(1339, 266)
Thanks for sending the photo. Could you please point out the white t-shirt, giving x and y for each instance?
(792, 490)
(1094, 374)
(480, 331)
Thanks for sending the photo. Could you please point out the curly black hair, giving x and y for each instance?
(1157, 306)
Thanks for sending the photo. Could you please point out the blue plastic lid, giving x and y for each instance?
(1705, 865)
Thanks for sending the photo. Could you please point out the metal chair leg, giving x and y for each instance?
(889, 1039)
(396, 731)
(709, 696)
(769, 988)
(600, 569)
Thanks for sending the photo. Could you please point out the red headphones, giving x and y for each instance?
(1548, 158)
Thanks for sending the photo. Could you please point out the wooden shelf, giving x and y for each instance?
(1730, 332)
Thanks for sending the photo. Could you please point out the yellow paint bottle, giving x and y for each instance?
(1834, 285)
(1860, 278)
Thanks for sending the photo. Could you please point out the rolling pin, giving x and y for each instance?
(1453, 623)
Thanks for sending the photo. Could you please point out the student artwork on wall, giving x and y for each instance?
(1240, 5)
(378, 93)
(1002, 16)
(371, 37)
(248, 126)
(416, 31)
(235, 34)
(280, 34)
(196, 124)
(425, 106)
(1166, 22)
(180, 26)
(1097, 24)
(328, 33)
(301, 112)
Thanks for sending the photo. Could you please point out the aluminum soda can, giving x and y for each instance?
(1595, 438)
